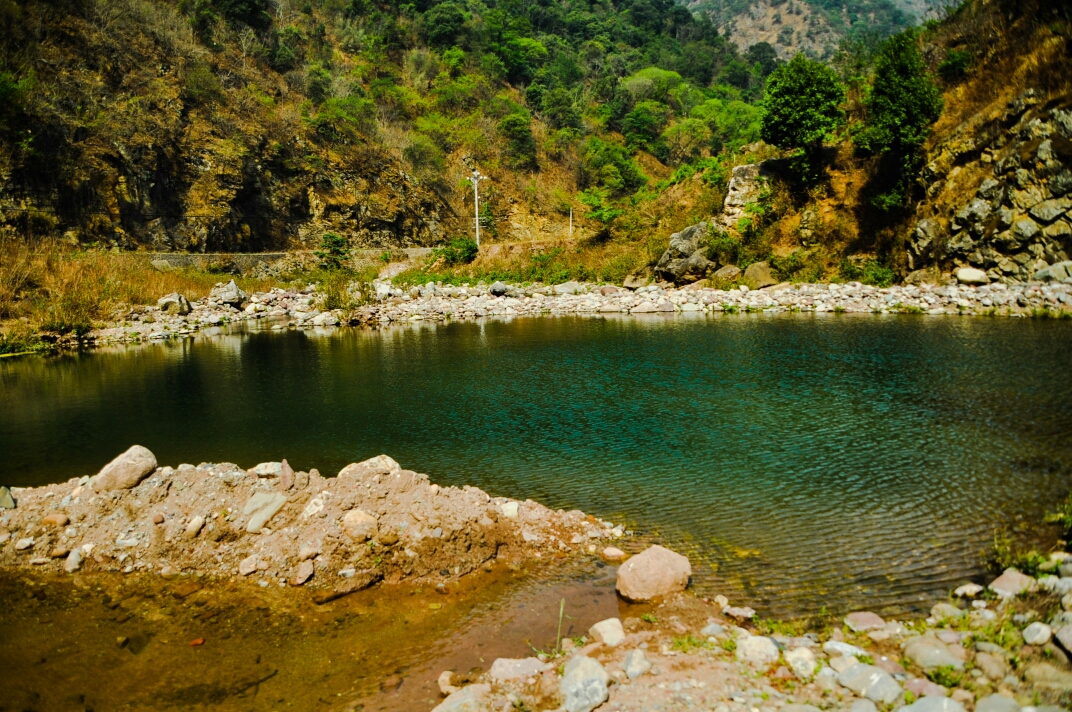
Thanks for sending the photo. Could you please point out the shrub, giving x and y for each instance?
(201, 85)
(685, 139)
(334, 251)
(460, 250)
(643, 125)
(345, 118)
(610, 165)
(558, 109)
(870, 272)
(424, 155)
(520, 144)
(317, 83)
(955, 65)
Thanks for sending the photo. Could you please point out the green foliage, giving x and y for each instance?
(559, 110)
(685, 139)
(1006, 553)
(202, 86)
(903, 102)
(600, 206)
(334, 251)
(611, 166)
(955, 65)
(644, 124)
(345, 118)
(648, 618)
(13, 95)
(729, 645)
(1063, 515)
(459, 251)
(317, 83)
(444, 24)
(870, 272)
(289, 49)
(520, 144)
(424, 156)
(690, 643)
(802, 106)
(946, 676)
(732, 122)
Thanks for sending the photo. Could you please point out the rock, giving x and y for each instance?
(826, 678)
(870, 682)
(286, 476)
(638, 279)
(1055, 272)
(843, 663)
(652, 573)
(24, 544)
(863, 621)
(683, 260)
(970, 275)
(446, 680)
(635, 664)
(996, 703)
(1063, 638)
(928, 652)
(509, 510)
(758, 651)
(968, 590)
(921, 687)
(567, 288)
(947, 611)
(993, 666)
(125, 471)
(511, 669)
(56, 519)
(229, 294)
(643, 308)
(1049, 677)
(174, 303)
(1037, 634)
(1025, 228)
(6, 500)
(360, 525)
(608, 289)
(158, 518)
(324, 319)
(468, 699)
(727, 274)
(934, 704)
(802, 662)
(927, 275)
(584, 685)
(379, 465)
(713, 629)
(304, 573)
(860, 706)
(497, 289)
(268, 469)
(1012, 583)
(161, 265)
(613, 554)
(262, 506)
(741, 614)
(248, 565)
(793, 707)
(608, 632)
(73, 562)
(1049, 210)
(193, 527)
(759, 274)
(837, 647)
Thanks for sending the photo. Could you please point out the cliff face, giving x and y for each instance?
(136, 135)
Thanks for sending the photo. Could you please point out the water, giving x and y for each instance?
(799, 460)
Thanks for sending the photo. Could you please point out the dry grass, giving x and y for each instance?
(46, 287)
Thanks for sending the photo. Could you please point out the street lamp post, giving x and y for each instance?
(476, 178)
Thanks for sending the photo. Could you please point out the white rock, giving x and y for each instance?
(509, 510)
(73, 562)
(968, 590)
(970, 275)
(193, 527)
(826, 678)
(802, 662)
(608, 632)
(515, 669)
(125, 471)
(248, 565)
(1037, 633)
(583, 685)
(636, 664)
(467, 699)
(757, 650)
(268, 469)
(24, 544)
(837, 648)
(360, 525)
(934, 704)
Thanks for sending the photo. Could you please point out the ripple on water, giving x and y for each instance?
(799, 460)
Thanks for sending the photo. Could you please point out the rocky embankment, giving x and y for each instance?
(374, 521)
(968, 294)
(1004, 648)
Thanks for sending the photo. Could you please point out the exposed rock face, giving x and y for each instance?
(759, 274)
(1018, 221)
(125, 471)
(175, 303)
(653, 573)
(745, 186)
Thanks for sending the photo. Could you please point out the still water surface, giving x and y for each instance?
(799, 460)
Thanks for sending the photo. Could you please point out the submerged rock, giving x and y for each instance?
(125, 471)
(654, 572)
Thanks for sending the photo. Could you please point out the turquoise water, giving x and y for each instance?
(799, 460)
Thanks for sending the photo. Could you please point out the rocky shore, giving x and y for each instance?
(1003, 648)
(374, 521)
(383, 303)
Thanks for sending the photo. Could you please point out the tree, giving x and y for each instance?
(802, 106)
(644, 123)
(903, 102)
(558, 109)
(334, 251)
(520, 145)
(685, 139)
(443, 24)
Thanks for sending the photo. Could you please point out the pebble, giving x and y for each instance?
(1037, 634)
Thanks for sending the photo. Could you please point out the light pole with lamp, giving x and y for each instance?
(476, 178)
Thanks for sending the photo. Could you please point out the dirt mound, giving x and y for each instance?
(374, 521)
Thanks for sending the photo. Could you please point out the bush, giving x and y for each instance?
(334, 251)
(955, 65)
(610, 165)
(317, 83)
(871, 272)
(520, 144)
(558, 109)
(201, 85)
(460, 250)
(424, 156)
(345, 118)
(643, 125)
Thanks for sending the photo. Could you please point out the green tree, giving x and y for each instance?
(802, 106)
(685, 139)
(559, 111)
(600, 206)
(334, 251)
(643, 125)
(317, 83)
(520, 144)
(444, 24)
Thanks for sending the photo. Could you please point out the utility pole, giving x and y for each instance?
(476, 178)
(571, 222)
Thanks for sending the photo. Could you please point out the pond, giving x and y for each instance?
(800, 461)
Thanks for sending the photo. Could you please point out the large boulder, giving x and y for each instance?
(125, 471)
(759, 274)
(970, 275)
(654, 572)
(584, 685)
(228, 294)
(174, 303)
(1055, 272)
(684, 260)
(758, 651)
(729, 273)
